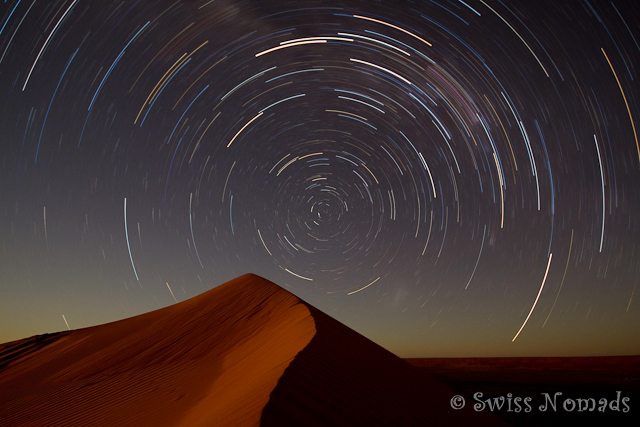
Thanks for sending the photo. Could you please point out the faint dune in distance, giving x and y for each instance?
(245, 353)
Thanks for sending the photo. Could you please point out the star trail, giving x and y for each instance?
(442, 176)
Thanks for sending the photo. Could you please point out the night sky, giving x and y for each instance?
(448, 178)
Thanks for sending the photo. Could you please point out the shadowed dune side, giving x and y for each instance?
(343, 379)
(210, 360)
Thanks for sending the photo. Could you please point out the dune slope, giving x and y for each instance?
(210, 360)
(246, 353)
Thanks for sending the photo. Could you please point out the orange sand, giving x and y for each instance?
(246, 353)
(211, 360)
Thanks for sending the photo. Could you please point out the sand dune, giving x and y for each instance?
(246, 353)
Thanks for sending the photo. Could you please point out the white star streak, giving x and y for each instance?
(192, 238)
(383, 69)
(174, 297)
(393, 26)
(126, 232)
(65, 321)
(351, 293)
(479, 255)
(297, 275)
(289, 45)
(536, 301)
(248, 123)
(44, 46)
(603, 195)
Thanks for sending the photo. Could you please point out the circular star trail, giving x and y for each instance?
(454, 178)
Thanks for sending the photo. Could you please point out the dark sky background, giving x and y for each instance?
(442, 176)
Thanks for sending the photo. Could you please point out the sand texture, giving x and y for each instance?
(245, 353)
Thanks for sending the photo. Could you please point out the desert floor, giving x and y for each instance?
(575, 377)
